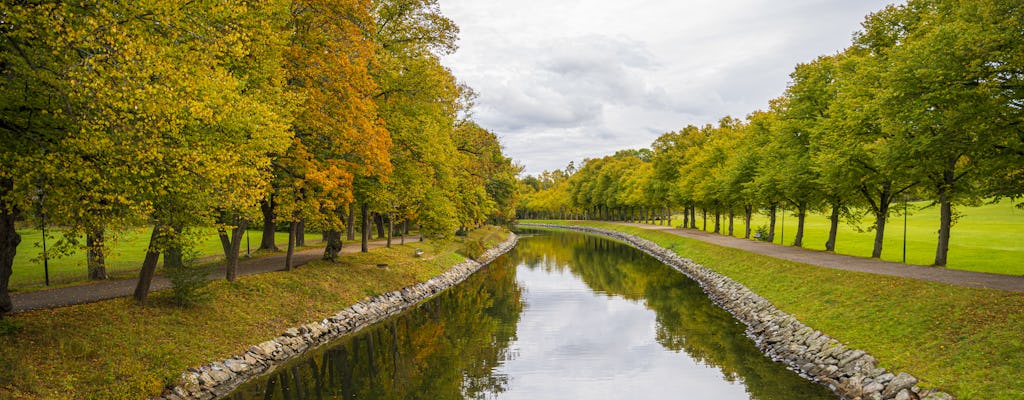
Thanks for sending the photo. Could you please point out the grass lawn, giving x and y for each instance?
(118, 350)
(969, 342)
(989, 238)
(124, 260)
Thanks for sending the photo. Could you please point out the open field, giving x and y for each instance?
(118, 350)
(988, 238)
(124, 260)
(962, 340)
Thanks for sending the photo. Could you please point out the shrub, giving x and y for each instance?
(189, 280)
(761, 233)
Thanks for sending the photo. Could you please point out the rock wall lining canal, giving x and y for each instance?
(851, 373)
(217, 379)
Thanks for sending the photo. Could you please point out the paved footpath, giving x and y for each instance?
(93, 292)
(851, 263)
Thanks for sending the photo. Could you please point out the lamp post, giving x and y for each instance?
(782, 239)
(904, 228)
(46, 256)
(42, 227)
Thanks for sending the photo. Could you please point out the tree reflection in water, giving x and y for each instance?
(445, 349)
(686, 320)
(464, 343)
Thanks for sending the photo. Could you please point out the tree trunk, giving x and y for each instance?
(686, 217)
(9, 240)
(378, 218)
(748, 213)
(833, 228)
(771, 223)
(293, 228)
(405, 231)
(704, 216)
(365, 214)
(880, 218)
(269, 226)
(232, 246)
(148, 267)
(350, 226)
(391, 228)
(693, 217)
(95, 259)
(945, 215)
(668, 218)
(333, 239)
(732, 218)
(718, 221)
(801, 216)
(300, 234)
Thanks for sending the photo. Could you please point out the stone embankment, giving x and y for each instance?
(217, 379)
(850, 373)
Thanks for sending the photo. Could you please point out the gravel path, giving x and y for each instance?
(851, 263)
(71, 295)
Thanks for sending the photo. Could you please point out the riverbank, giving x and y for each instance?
(116, 350)
(964, 341)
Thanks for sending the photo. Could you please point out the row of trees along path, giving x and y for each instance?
(850, 263)
(110, 289)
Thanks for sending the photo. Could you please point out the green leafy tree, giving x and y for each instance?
(947, 86)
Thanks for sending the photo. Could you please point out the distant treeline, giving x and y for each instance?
(926, 103)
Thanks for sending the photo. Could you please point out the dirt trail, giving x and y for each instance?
(851, 263)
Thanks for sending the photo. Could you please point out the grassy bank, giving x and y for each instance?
(125, 258)
(117, 350)
(987, 238)
(966, 341)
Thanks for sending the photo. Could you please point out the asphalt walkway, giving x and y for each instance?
(104, 290)
(851, 263)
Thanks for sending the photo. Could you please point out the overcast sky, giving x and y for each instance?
(562, 80)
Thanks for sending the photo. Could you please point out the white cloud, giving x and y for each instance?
(569, 79)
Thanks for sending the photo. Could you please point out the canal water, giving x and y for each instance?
(563, 316)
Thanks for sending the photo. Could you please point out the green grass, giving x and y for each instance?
(118, 350)
(966, 341)
(988, 238)
(124, 260)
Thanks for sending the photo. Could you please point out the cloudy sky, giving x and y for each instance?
(562, 80)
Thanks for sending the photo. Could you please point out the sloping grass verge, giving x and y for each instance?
(117, 350)
(969, 342)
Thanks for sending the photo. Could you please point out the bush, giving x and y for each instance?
(189, 280)
(472, 249)
(761, 233)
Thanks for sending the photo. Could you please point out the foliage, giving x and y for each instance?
(187, 114)
(189, 280)
(116, 350)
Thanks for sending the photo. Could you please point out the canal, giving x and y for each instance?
(562, 316)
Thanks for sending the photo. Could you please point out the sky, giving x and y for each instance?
(565, 80)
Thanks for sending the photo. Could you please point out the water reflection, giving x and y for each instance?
(720, 358)
(564, 315)
(445, 349)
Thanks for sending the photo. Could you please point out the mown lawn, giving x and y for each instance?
(987, 238)
(127, 252)
(118, 350)
(969, 342)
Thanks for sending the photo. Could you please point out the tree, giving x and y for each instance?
(948, 85)
(338, 134)
(853, 139)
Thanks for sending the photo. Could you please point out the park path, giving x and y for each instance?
(850, 263)
(93, 292)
